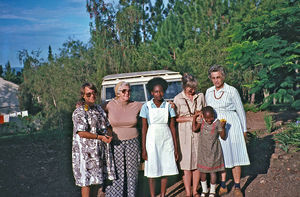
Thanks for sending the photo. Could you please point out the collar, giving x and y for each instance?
(195, 96)
(161, 105)
(224, 89)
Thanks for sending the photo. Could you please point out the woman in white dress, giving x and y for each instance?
(227, 103)
(159, 145)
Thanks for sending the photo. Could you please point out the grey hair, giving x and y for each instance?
(189, 80)
(216, 68)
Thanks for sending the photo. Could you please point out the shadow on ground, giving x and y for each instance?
(41, 166)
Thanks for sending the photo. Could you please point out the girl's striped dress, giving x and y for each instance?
(228, 105)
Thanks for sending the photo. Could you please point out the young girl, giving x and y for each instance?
(210, 156)
(159, 145)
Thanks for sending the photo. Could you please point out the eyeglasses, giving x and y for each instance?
(90, 94)
(126, 90)
(190, 89)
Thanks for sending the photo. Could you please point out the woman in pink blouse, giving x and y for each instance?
(123, 117)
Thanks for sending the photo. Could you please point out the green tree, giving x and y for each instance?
(50, 55)
(265, 57)
(9, 74)
(1, 70)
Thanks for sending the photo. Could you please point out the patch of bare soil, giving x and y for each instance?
(41, 166)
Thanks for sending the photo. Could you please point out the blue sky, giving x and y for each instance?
(36, 24)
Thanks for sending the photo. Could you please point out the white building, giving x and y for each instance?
(9, 102)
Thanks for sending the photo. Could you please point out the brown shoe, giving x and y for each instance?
(222, 191)
(237, 192)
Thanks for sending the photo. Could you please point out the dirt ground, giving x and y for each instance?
(41, 166)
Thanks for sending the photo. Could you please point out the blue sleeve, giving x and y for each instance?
(144, 111)
(171, 112)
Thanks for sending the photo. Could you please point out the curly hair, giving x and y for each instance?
(216, 68)
(189, 80)
(208, 109)
(157, 81)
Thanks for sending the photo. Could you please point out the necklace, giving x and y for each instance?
(190, 108)
(220, 96)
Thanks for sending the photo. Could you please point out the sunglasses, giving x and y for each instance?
(90, 94)
(126, 90)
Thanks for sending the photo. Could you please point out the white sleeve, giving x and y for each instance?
(239, 108)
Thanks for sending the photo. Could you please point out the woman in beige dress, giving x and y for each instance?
(187, 103)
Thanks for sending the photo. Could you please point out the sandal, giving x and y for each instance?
(212, 195)
(197, 195)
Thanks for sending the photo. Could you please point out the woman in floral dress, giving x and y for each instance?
(91, 157)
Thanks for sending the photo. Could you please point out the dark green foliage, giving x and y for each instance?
(265, 55)
(256, 41)
(1, 70)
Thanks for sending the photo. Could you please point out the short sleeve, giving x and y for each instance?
(201, 102)
(177, 105)
(171, 111)
(144, 111)
(104, 116)
(79, 121)
(218, 126)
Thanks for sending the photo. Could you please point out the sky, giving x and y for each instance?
(36, 24)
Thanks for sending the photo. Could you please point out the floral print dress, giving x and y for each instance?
(91, 158)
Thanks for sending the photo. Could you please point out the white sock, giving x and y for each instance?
(212, 188)
(204, 187)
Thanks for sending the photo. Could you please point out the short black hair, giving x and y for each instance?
(208, 109)
(157, 81)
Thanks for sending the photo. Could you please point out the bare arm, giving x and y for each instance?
(173, 131)
(223, 133)
(144, 134)
(195, 126)
(88, 135)
(181, 119)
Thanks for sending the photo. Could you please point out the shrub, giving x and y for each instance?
(290, 138)
(269, 122)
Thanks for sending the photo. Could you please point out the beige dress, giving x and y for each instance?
(188, 140)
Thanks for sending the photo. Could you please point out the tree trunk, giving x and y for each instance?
(54, 102)
(266, 93)
(252, 98)
(274, 99)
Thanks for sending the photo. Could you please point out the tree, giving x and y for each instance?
(50, 56)
(9, 74)
(1, 70)
(262, 48)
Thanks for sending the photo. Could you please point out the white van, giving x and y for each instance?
(138, 81)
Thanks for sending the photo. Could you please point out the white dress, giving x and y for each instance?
(159, 144)
(228, 105)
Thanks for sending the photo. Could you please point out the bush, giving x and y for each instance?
(20, 125)
(269, 122)
(289, 138)
(251, 107)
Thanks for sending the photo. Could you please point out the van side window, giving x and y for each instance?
(174, 88)
(110, 93)
(137, 93)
